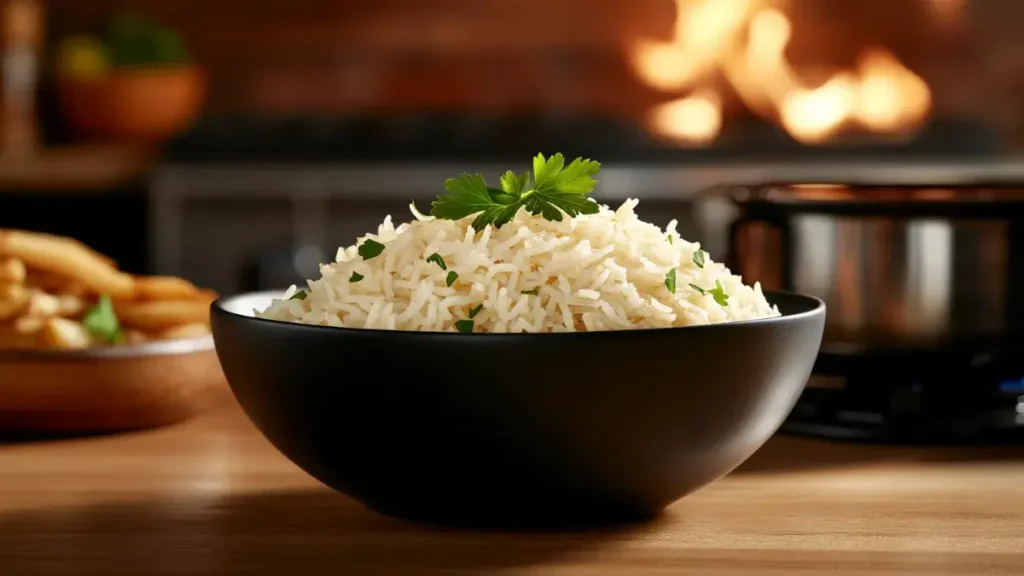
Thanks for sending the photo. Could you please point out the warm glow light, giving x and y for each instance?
(762, 77)
(666, 67)
(709, 25)
(813, 116)
(703, 29)
(891, 97)
(695, 120)
(946, 13)
(745, 41)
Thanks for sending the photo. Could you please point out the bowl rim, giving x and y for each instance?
(219, 307)
(128, 351)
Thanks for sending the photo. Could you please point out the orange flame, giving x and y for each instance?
(696, 119)
(745, 41)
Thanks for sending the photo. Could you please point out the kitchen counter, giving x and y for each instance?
(211, 496)
(85, 168)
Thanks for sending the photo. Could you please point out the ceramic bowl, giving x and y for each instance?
(518, 430)
(107, 389)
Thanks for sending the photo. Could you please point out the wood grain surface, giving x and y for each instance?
(210, 496)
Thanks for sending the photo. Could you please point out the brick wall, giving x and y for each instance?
(324, 54)
(335, 55)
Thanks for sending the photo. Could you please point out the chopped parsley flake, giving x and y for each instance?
(475, 311)
(102, 322)
(451, 278)
(531, 292)
(436, 259)
(356, 277)
(698, 258)
(370, 249)
(300, 295)
(670, 280)
(718, 293)
(464, 326)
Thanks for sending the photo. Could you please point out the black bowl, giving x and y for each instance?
(518, 430)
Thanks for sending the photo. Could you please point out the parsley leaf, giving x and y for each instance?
(300, 295)
(475, 311)
(531, 292)
(556, 189)
(102, 322)
(514, 185)
(464, 326)
(468, 195)
(698, 258)
(451, 278)
(718, 293)
(576, 178)
(670, 240)
(370, 249)
(436, 259)
(355, 277)
(670, 280)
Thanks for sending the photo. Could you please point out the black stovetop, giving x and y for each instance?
(464, 137)
(958, 395)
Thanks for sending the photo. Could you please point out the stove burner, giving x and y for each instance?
(941, 397)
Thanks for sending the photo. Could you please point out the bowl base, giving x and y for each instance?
(504, 519)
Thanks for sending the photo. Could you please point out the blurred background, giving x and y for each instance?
(239, 143)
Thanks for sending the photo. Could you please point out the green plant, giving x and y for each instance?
(133, 40)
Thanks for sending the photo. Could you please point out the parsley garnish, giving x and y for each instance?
(102, 322)
(531, 292)
(300, 295)
(670, 280)
(355, 277)
(464, 326)
(370, 249)
(475, 311)
(451, 278)
(670, 240)
(698, 258)
(436, 259)
(555, 188)
(718, 293)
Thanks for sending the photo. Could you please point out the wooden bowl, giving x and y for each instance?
(108, 389)
(134, 104)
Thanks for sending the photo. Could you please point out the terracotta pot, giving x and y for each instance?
(134, 104)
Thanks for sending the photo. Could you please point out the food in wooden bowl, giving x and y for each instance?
(86, 347)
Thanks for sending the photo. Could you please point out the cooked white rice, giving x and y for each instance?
(604, 271)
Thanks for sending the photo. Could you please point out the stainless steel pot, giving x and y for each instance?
(899, 267)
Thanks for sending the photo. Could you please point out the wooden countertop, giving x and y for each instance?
(212, 497)
(79, 168)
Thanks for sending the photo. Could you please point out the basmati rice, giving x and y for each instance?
(605, 271)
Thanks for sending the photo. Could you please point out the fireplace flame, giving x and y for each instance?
(744, 42)
(889, 96)
(696, 119)
(814, 116)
